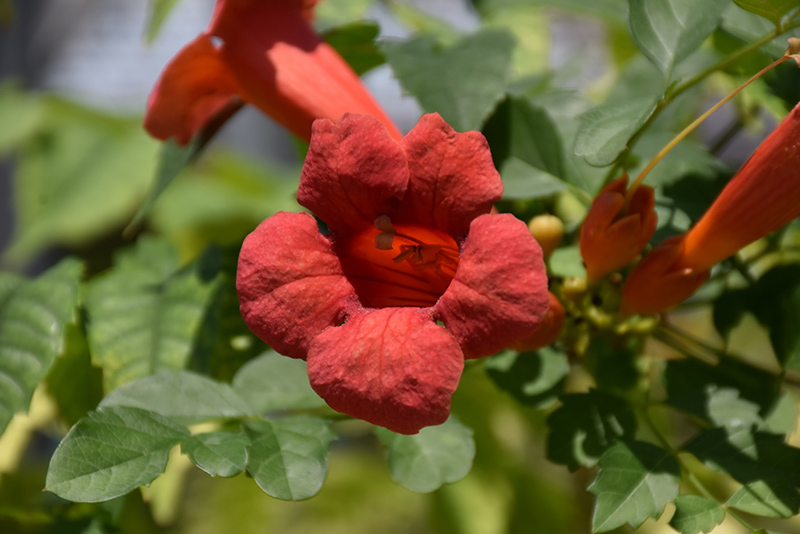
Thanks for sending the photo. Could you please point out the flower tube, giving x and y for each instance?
(414, 276)
(265, 53)
(763, 196)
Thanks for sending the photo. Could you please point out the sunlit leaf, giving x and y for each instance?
(159, 10)
(534, 378)
(776, 304)
(462, 83)
(355, 42)
(436, 456)
(146, 314)
(111, 452)
(768, 497)
(774, 10)
(221, 454)
(667, 31)
(692, 384)
(21, 115)
(635, 481)
(768, 468)
(606, 129)
(273, 382)
(33, 318)
(171, 161)
(81, 176)
(183, 397)
(586, 426)
(695, 514)
(288, 457)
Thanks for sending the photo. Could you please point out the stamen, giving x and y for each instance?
(384, 240)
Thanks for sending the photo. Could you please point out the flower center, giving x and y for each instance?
(403, 265)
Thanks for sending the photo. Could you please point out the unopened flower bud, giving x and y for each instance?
(548, 330)
(548, 231)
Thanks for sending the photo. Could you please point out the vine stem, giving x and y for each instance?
(687, 472)
(691, 82)
(686, 131)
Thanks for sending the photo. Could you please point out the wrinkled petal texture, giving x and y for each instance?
(195, 86)
(290, 283)
(763, 196)
(392, 367)
(452, 177)
(657, 283)
(499, 294)
(354, 172)
(609, 242)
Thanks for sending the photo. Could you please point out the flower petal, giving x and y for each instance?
(658, 282)
(354, 172)
(452, 178)
(499, 294)
(194, 87)
(290, 283)
(285, 68)
(392, 367)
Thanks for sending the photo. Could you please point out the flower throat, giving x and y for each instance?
(399, 265)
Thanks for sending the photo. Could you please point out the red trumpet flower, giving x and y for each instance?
(265, 53)
(411, 247)
(763, 196)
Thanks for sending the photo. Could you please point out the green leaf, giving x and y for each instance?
(635, 481)
(33, 318)
(774, 10)
(687, 158)
(436, 456)
(159, 9)
(729, 309)
(606, 129)
(146, 315)
(288, 457)
(768, 468)
(776, 304)
(695, 514)
(691, 384)
(725, 408)
(111, 452)
(75, 385)
(567, 261)
(749, 27)
(273, 382)
(667, 31)
(527, 148)
(221, 454)
(585, 426)
(355, 42)
(522, 180)
(21, 115)
(183, 397)
(769, 498)
(80, 177)
(171, 161)
(462, 83)
(533, 378)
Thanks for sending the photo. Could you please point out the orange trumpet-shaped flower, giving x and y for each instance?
(611, 237)
(548, 330)
(763, 196)
(265, 53)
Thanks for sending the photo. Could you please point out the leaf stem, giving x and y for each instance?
(691, 82)
(686, 131)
